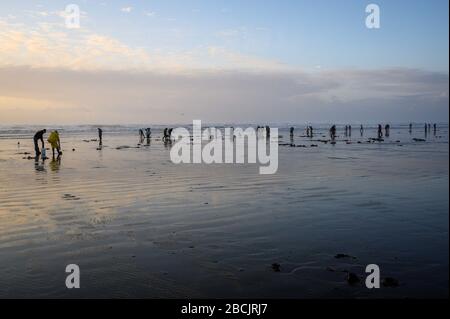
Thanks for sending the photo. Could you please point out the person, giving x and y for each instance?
(333, 132)
(311, 131)
(54, 141)
(100, 135)
(380, 131)
(291, 131)
(410, 128)
(148, 132)
(350, 130)
(307, 131)
(361, 130)
(141, 134)
(387, 129)
(169, 133)
(434, 128)
(39, 136)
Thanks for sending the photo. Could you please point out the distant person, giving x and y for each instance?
(291, 131)
(361, 130)
(100, 135)
(307, 131)
(141, 134)
(350, 130)
(380, 131)
(39, 136)
(434, 128)
(148, 132)
(387, 129)
(54, 141)
(311, 131)
(410, 128)
(346, 130)
(333, 132)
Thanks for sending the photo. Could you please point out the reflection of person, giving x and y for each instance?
(39, 136)
(55, 164)
(54, 141)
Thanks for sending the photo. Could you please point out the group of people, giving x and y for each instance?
(53, 139)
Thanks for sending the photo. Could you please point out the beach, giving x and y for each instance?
(140, 226)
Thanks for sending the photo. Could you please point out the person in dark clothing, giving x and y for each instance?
(333, 132)
(100, 136)
(387, 130)
(361, 130)
(39, 136)
(380, 131)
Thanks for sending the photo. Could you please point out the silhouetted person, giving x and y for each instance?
(350, 130)
(141, 134)
(380, 131)
(434, 128)
(100, 136)
(410, 128)
(307, 131)
(39, 136)
(361, 130)
(333, 132)
(148, 132)
(54, 141)
(346, 130)
(311, 131)
(387, 129)
(291, 131)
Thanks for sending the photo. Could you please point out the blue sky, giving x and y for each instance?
(307, 34)
(224, 61)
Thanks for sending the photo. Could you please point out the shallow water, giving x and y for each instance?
(140, 226)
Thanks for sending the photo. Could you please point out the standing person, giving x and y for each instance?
(380, 131)
(311, 131)
(141, 134)
(291, 131)
(410, 128)
(333, 132)
(434, 128)
(100, 135)
(387, 130)
(346, 130)
(307, 131)
(54, 141)
(39, 136)
(350, 130)
(361, 130)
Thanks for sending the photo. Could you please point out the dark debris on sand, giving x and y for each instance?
(276, 267)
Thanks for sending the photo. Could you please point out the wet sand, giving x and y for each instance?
(140, 226)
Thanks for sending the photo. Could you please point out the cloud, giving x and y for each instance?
(126, 9)
(30, 95)
(53, 45)
(149, 14)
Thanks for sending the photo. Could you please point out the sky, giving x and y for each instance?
(234, 61)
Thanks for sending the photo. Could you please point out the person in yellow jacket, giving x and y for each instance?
(54, 141)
